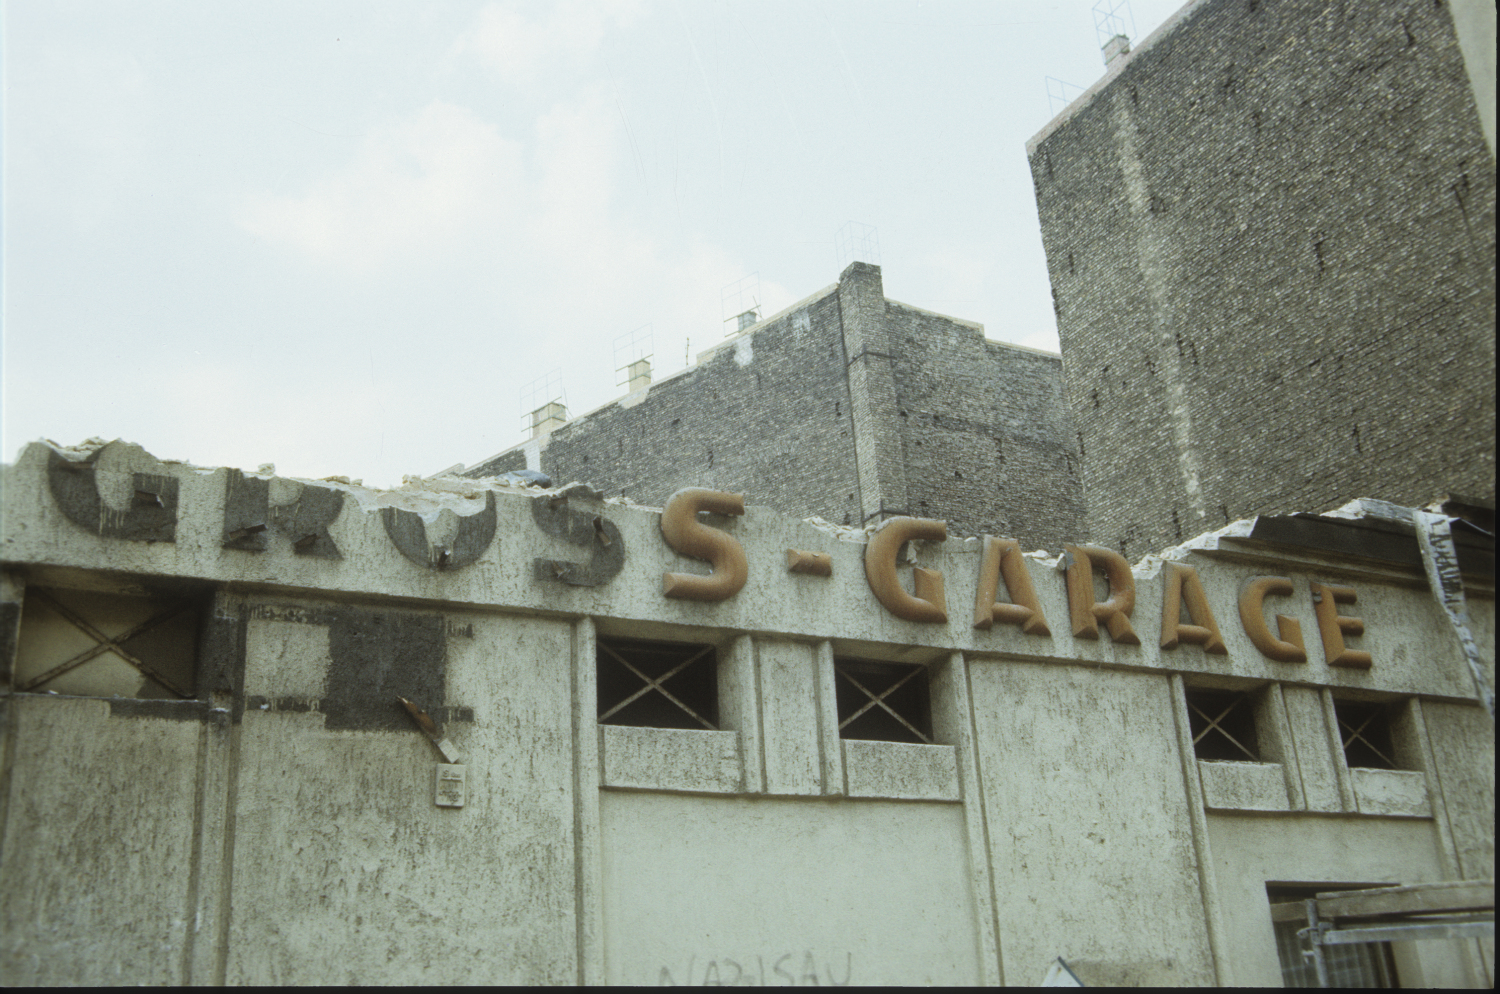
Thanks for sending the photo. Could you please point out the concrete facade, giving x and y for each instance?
(1270, 232)
(848, 407)
(207, 776)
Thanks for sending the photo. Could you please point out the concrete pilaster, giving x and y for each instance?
(878, 444)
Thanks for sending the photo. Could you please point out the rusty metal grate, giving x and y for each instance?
(634, 677)
(889, 702)
(1365, 731)
(1223, 725)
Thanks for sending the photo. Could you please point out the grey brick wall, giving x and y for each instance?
(849, 408)
(986, 435)
(767, 415)
(1271, 245)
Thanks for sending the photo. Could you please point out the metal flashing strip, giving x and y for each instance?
(1377, 529)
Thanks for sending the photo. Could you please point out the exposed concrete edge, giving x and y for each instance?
(807, 301)
(946, 317)
(1023, 348)
(1168, 26)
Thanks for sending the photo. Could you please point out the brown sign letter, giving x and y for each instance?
(1085, 610)
(1002, 558)
(880, 570)
(1288, 648)
(1181, 584)
(686, 534)
(1334, 626)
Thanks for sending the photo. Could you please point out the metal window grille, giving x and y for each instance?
(1223, 725)
(1365, 731)
(1354, 965)
(890, 702)
(95, 644)
(658, 684)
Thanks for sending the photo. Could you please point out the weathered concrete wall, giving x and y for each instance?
(849, 407)
(1270, 238)
(817, 891)
(276, 821)
(1110, 887)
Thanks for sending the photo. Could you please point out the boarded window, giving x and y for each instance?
(91, 644)
(658, 684)
(885, 701)
(1223, 725)
(1365, 731)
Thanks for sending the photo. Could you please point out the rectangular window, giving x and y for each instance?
(658, 684)
(1365, 731)
(92, 644)
(1223, 725)
(1356, 965)
(889, 702)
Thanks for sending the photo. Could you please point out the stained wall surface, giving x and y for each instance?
(1270, 233)
(277, 819)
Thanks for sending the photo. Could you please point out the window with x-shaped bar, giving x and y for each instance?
(1365, 731)
(1223, 725)
(890, 702)
(94, 644)
(658, 684)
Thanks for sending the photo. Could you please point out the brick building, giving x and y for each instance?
(849, 407)
(1270, 233)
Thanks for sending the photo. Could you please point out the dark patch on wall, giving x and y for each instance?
(170, 709)
(305, 705)
(221, 655)
(378, 656)
(582, 528)
(10, 626)
(408, 532)
(305, 521)
(247, 510)
(151, 517)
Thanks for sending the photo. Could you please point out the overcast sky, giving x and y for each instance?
(347, 237)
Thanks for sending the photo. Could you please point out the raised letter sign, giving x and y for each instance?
(466, 539)
(689, 536)
(1180, 583)
(880, 570)
(593, 532)
(151, 512)
(1002, 558)
(1288, 648)
(1334, 626)
(1085, 610)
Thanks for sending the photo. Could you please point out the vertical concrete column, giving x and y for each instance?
(12, 593)
(586, 780)
(789, 716)
(220, 678)
(1336, 746)
(1279, 745)
(830, 746)
(953, 724)
(879, 448)
(1208, 885)
(739, 709)
(1414, 749)
(1312, 747)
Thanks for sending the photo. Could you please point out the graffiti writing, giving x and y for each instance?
(785, 970)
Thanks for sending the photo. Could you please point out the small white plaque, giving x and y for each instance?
(449, 785)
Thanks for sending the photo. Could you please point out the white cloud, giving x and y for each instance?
(413, 186)
(519, 49)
